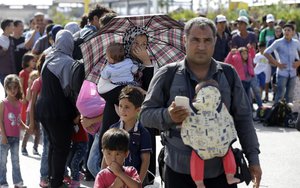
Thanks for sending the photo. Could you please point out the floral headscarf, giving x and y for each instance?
(130, 35)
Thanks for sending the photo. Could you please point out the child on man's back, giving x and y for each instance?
(115, 146)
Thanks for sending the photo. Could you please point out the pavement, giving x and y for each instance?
(279, 158)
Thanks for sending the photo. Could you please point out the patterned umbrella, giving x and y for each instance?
(164, 41)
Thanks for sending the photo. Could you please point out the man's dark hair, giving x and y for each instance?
(17, 22)
(133, 94)
(49, 28)
(5, 23)
(83, 21)
(115, 139)
(98, 11)
(106, 18)
(200, 22)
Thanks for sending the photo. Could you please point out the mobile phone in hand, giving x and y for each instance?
(182, 101)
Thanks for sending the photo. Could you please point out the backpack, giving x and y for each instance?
(277, 114)
(171, 71)
(77, 77)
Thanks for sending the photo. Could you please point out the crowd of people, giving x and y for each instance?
(35, 72)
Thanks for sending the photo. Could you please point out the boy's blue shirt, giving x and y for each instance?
(140, 142)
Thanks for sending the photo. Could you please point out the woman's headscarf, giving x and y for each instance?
(59, 61)
(129, 37)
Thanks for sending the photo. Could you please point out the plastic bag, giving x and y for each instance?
(90, 104)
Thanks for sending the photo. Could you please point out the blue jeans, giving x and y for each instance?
(76, 156)
(13, 146)
(285, 87)
(255, 88)
(44, 159)
(94, 159)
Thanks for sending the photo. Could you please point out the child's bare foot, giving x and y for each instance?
(231, 179)
(200, 184)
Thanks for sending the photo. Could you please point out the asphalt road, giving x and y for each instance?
(280, 160)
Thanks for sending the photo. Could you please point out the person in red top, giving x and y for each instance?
(77, 153)
(115, 146)
(28, 64)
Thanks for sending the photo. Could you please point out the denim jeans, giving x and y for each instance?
(255, 88)
(13, 146)
(76, 156)
(44, 159)
(94, 159)
(285, 87)
(37, 134)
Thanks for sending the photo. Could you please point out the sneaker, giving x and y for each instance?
(44, 183)
(81, 176)
(20, 185)
(35, 151)
(67, 179)
(24, 152)
(74, 184)
(4, 186)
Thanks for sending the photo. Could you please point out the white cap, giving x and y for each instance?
(270, 18)
(220, 18)
(243, 19)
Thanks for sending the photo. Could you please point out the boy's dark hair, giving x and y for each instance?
(289, 25)
(5, 23)
(17, 22)
(26, 59)
(115, 139)
(116, 52)
(261, 44)
(98, 11)
(133, 94)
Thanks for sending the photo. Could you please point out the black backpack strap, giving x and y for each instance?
(172, 68)
(229, 74)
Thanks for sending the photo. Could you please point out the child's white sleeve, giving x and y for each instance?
(134, 68)
(105, 74)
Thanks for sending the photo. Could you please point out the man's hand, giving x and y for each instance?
(178, 113)
(256, 173)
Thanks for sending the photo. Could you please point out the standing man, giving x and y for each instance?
(223, 39)
(39, 30)
(162, 113)
(19, 41)
(7, 46)
(268, 33)
(288, 50)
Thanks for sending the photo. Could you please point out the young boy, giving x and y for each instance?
(115, 147)
(130, 101)
(262, 69)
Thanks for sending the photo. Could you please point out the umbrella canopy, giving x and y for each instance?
(165, 44)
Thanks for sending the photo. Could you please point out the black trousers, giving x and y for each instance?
(178, 180)
(59, 135)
